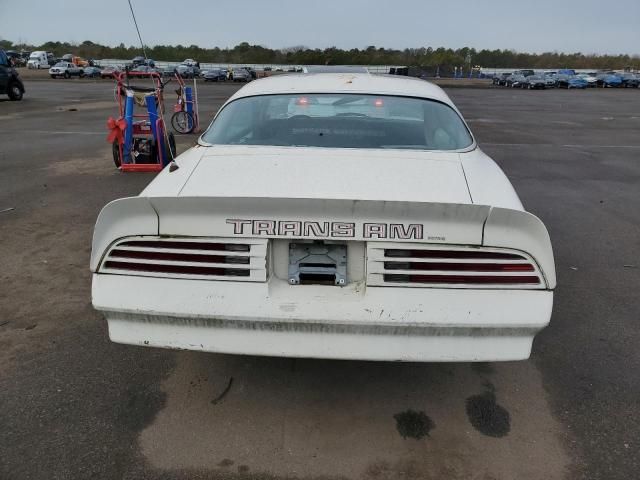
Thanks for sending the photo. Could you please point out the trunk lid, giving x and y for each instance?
(328, 174)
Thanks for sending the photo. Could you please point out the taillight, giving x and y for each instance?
(425, 265)
(222, 259)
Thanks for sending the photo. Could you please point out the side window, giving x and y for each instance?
(3, 58)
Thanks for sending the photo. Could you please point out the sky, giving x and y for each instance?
(587, 26)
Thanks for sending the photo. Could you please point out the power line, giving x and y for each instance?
(144, 52)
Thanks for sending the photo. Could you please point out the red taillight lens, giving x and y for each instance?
(464, 279)
(461, 267)
(471, 254)
(179, 269)
(186, 245)
(178, 257)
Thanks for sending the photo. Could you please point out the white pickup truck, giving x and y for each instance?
(65, 70)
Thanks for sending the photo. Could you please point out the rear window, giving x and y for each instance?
(339, 121)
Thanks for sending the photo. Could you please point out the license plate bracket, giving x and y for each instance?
(317, 263)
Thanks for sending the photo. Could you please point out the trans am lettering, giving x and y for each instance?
(297, 228)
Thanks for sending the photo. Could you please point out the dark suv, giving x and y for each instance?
(10, 83)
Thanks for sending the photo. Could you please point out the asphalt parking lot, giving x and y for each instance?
(74, 405)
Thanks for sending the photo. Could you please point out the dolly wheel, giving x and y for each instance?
(182, 122)
(116, 154)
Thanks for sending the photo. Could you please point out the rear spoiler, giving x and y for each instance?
(360, 220)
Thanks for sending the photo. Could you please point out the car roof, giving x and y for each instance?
(344, 83)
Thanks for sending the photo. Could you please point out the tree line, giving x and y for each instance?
(427, 58)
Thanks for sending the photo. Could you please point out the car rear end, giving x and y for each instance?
(405, 281)
(329, 225)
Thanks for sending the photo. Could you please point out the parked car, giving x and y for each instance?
(550, 80)
(92, 72)
(66, 70)
(38, 59)
(533, 82)
(592, 81)
(630, 80)
(15, 59)
(168, 71)
(215, 75)
(501, 79)
(110, 71)
(420, 253)
(252, 72)
(240, 75)
(516, 80)
(190, 62)
(143, 71)
(526, 73)
(609, 79)
(188, 71)
(10, 82)
(571, 81)
(140, 60)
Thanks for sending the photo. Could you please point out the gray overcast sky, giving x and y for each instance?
(588, 26)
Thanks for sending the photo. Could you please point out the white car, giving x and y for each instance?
(345, 216)
(592, 80)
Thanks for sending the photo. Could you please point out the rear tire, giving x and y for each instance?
(15, 92)
(182, 122)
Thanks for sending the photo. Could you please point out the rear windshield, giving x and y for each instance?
(339, 121)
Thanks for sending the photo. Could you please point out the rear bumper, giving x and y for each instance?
(354, 322)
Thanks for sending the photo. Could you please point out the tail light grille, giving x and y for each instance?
(453, 266)
(200, 258)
